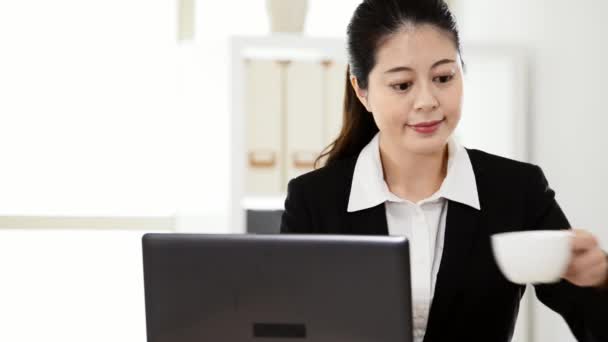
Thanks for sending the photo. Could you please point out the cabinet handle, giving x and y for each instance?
(304, 159)
(262, 159)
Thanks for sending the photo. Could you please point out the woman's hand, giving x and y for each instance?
(589, 263)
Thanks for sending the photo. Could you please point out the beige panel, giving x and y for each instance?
(334, 99)
(305, 118)
(160, 223)
(263, 127)
(185, 21)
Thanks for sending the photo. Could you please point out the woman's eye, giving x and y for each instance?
(402, 86)
(444, 79)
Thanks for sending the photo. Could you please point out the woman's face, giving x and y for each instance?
(415, 90)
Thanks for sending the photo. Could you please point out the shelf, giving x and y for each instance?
(264, 202)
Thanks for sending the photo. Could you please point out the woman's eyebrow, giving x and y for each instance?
(405, 68)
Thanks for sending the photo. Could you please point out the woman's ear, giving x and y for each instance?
(361, 93)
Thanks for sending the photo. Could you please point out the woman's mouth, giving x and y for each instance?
(427, 127)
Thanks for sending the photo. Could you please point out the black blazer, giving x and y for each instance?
(473, 301)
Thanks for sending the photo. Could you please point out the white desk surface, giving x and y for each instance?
(71, 286)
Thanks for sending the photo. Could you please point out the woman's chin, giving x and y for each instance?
(426, 145)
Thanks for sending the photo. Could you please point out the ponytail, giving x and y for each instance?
(358, 128)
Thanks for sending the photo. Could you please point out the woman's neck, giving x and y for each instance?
(413, 176)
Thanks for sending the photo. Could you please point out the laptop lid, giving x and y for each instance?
(315, 288)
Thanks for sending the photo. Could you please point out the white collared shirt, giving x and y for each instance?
(423, 223)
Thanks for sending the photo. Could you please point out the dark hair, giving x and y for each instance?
(372, 22)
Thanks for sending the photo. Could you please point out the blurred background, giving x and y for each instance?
(124, 117)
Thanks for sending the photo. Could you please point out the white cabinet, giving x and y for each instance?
(287, 94)
(315, 93)
(264, 124)
(293, 111)
(305, 117)
(335, 86)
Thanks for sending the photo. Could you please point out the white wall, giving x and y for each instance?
(569, 54)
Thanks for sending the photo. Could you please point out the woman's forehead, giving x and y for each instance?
(416, 45)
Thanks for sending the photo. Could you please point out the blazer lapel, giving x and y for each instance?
(460, 232)
(370, 221)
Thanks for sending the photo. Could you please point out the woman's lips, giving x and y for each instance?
(427, 127)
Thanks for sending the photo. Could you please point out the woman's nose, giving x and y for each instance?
(426, 101)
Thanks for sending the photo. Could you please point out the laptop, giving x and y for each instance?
(277, 288)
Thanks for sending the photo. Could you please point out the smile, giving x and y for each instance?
(427, 127)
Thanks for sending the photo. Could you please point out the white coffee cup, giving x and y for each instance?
(533, 257)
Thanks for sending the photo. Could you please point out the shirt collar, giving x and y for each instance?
(369, 189)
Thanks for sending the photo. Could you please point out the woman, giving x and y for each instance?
(395, 169)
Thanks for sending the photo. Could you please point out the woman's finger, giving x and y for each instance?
(583, 240)
(588, 260)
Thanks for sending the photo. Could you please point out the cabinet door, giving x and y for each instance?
(335, 80)
(263, 126)
(305, 116)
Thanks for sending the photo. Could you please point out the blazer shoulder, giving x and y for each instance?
(337, 176)
(495, 165)
(316, 197)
